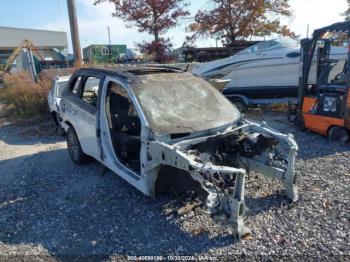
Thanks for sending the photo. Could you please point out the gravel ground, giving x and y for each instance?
(54, 209)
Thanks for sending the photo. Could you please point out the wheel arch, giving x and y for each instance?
(54, 114)
(82, 157)
(331, 126)
(170, 178)
(347, 132)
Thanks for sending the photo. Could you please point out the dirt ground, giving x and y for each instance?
(51, 208)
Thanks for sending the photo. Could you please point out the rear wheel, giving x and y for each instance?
(74, 148)
(338, 134)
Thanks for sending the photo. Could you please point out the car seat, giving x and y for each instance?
(125, 129)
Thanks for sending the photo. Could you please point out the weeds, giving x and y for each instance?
(23, 99)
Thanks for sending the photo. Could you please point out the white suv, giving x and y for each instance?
(162, 129)
(54, 98)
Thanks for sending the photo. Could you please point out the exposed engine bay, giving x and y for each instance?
(227, 149)
(220, 163)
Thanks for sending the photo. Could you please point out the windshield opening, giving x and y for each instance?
(178, 103)
(271, 45)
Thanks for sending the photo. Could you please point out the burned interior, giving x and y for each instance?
(124, 125)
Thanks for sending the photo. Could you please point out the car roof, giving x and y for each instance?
(132, 73)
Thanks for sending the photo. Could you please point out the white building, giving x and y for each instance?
(50, 45)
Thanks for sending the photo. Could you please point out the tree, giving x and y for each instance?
(232, 19)
(152, 16)
(347, 12)
(161, 47)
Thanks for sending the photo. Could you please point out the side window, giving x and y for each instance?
(76, 86)
(105, 50)
(90, 90)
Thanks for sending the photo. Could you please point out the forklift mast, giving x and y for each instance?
(308, 49)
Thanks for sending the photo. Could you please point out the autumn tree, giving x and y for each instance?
(347, 12)
(231, 20)
(155, 17)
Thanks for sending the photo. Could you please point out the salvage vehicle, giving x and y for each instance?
(54, 99)
(324, 105)
(162, 129)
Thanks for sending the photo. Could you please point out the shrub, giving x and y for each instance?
(24, 98)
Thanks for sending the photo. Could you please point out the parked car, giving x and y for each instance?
(54, 99)
(162, 129)
(133, 55)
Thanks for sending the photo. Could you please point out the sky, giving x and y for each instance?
(93, 20)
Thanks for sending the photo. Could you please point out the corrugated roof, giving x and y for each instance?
(11, 37)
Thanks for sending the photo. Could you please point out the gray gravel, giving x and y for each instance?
(51, 208)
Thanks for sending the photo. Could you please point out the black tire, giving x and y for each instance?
(74, 148)
(338, 134)
(239, 103)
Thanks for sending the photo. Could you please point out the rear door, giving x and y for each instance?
(81, 108)
(52, 96)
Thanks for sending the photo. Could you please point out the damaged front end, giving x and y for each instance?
(220, 163)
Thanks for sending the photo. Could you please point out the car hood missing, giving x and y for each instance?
(176, 103)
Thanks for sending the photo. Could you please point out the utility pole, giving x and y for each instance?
(307, 30)
(109, 47)
(74, 31)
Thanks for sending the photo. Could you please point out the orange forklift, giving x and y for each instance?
(324, 83)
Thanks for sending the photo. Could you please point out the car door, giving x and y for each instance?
(52, 96)
(82, 110)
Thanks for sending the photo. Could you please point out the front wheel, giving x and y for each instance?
(338, 134)
(74, 148)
